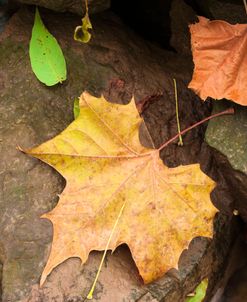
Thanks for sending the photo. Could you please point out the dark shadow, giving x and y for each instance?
(150, 19)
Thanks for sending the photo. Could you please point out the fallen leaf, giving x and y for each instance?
(200, 292)
(105, 166)
(220, 58)
(82, 33)
(47, 60)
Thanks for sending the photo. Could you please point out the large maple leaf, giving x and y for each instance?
(106, 167)
(220, 57)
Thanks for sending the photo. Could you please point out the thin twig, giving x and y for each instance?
(228, 111)
(90, 295)
(86, 5)
(245, 5)
(180, 143)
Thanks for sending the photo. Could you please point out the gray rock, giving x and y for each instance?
(74, 6)
(228, 134)
(117, 63)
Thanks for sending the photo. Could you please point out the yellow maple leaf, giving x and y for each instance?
(105, 166)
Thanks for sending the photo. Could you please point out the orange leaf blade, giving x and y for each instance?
(220, 57)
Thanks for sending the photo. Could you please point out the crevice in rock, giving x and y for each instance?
(149, 19)
(200, 7)
(225, 289)
(211, 8)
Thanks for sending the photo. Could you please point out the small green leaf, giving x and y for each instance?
(200, 292)
(47, 60)
(76, 108)
(81, 33)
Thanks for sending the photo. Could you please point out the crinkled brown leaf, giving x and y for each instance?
(105, 166)
(220, 58)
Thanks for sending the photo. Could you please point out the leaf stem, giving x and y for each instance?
(180, 143)
(90, 295)
(245, 6)
(86, 5)
(227, 111)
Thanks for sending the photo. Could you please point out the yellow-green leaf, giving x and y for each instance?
(47, 60)
(105, 166)
(82, 33)
(200, 292)
(76, 108)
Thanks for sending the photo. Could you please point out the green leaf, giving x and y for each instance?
(200, 292)
(47, 60)
(76, 108)
(81, 33)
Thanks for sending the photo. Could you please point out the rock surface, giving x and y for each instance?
(228, 134)
(117, 63)
(181, 16)
(73, 6)
(232, 11)
(3, 14)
